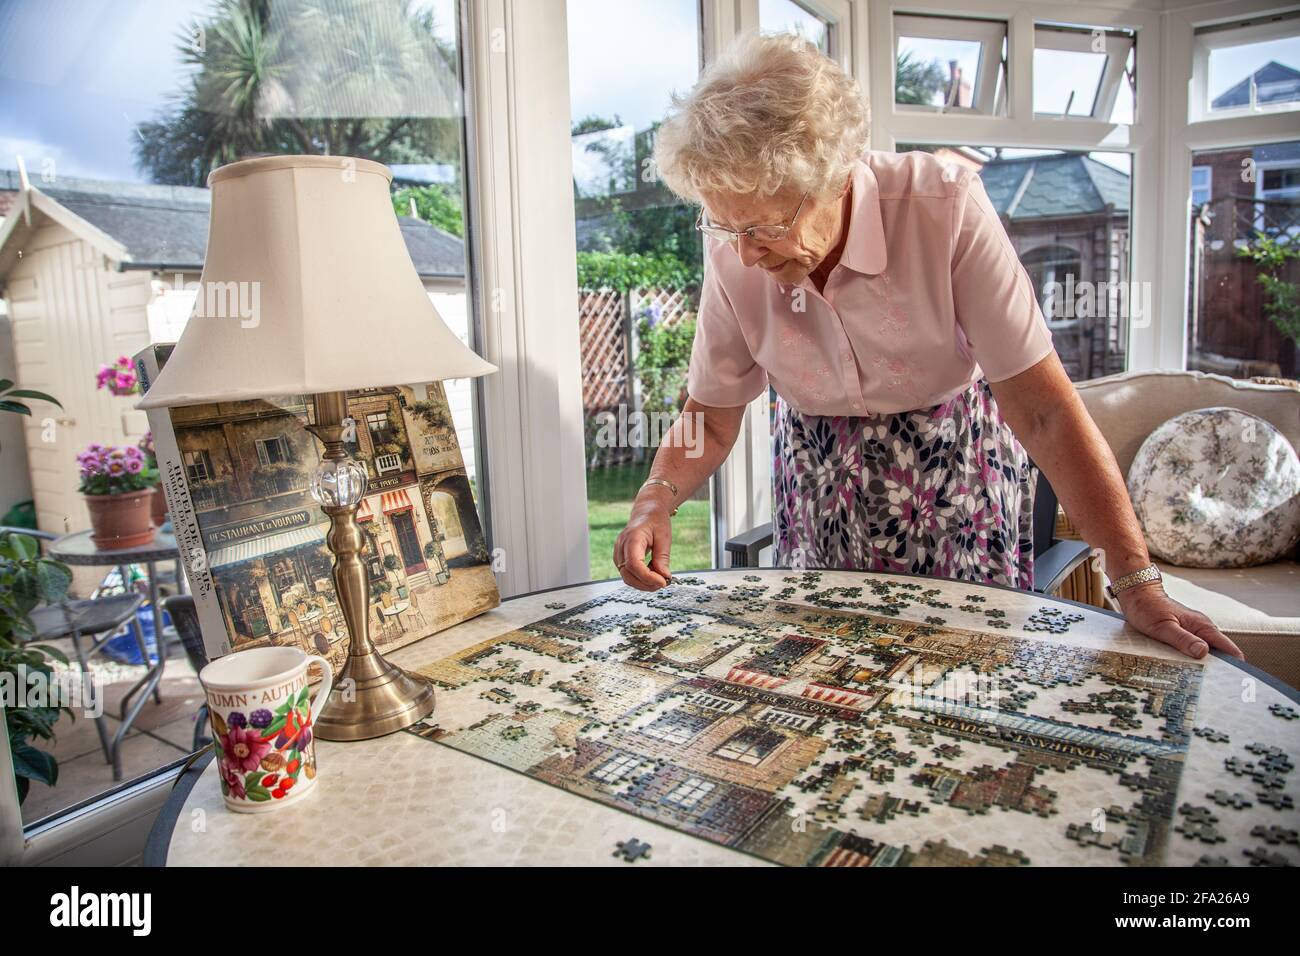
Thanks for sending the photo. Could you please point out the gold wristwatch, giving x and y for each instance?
(667, 484)
(1132, 580)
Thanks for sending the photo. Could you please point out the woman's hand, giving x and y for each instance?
(1153, 612)
(649, 529)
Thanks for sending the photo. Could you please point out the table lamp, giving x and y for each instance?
(308, 289)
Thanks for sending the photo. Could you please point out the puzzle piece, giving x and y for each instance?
(1278, 801)
(1261, 857)
(1275, 835)
(1213, 736)
(633, 850)
(1281, 710)
(1237, 801)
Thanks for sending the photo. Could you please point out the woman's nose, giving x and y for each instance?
(750, 250)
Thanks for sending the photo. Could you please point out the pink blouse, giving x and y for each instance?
(927, 298)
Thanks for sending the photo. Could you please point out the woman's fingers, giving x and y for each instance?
(630, 552)
(1179, 638)
(1205, 629)
(659, 556)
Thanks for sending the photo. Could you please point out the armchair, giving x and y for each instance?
(1259, 607)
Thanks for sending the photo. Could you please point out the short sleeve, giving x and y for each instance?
(722, 370)
(992, 294)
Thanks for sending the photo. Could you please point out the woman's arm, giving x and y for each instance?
(1050, 420)
(698, 442)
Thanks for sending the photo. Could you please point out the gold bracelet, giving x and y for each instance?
(667, 484)
(1133, 579)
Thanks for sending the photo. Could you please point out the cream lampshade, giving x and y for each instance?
(307, 289)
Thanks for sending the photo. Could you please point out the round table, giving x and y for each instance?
(753, 717)
(78, 549)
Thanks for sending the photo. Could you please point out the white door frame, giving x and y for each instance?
(525, 289)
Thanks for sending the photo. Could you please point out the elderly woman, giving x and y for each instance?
(880, 297)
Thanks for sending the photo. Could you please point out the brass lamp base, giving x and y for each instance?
(371, 698)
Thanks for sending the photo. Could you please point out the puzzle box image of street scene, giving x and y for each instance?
(814, 735)
(247, 468)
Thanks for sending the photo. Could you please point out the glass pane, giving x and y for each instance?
(932, 72)
(1260, 74)
(639, 260)
(119, 118)
(1075, 73)
(786, 16)
(1066, 82)
(1242, 317)
(1067, 215)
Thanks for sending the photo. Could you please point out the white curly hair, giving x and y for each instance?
(772, 112)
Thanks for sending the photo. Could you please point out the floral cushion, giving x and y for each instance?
(1217, 488)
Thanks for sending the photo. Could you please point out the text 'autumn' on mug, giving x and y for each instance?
(261, 725)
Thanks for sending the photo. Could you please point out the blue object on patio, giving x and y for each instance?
(126, 650)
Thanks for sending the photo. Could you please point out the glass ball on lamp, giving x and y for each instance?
(339, 482)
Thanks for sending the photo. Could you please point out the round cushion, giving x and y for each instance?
(1217, 488)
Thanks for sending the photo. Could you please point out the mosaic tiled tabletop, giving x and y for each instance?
(801, 718)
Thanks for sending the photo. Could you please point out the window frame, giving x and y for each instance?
(1252, 30)
(991, 34)
(1079, 40)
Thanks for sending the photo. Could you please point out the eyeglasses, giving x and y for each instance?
(756, 233)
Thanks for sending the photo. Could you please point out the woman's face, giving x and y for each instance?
(790, 260)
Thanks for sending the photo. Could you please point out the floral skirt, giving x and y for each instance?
(945, 491)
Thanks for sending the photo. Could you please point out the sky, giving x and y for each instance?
(76, 76)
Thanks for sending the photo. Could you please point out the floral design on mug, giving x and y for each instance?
(261, 755)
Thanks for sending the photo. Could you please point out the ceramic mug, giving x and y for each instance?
(261, 725)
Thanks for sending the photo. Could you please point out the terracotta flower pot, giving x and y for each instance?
(121, 521)
(159, 505)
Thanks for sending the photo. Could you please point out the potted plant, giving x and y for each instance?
(26, 580)
(117, 483)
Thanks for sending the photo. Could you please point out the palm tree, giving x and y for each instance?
(365, 78)
(916, 81)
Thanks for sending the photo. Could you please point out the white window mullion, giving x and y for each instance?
(524, 245)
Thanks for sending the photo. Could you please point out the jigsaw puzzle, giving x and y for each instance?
(819, 733)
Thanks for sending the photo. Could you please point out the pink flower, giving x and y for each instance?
(243, 749)
(234, 781)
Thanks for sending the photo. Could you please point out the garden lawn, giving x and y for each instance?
(610, 492)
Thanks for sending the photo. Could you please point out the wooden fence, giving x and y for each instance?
(607, 338)
(1229, 332)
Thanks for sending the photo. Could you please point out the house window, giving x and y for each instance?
(1279, 183)
(271, 451)
(615, 770)
(198, 466)
(1202, 177)
(750, 746)
(1247, 67)
(1084, 71)
(690, 792)
(1235, 325)
(676, 726)
(1053, 272)
(947, 63)
(381, 429)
